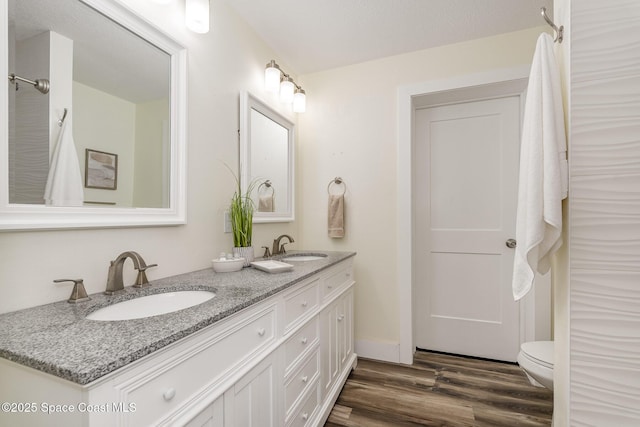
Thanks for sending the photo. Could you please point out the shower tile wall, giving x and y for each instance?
(605, 213)
(29, 118)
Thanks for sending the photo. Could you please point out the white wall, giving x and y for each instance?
(228, 59)
(104, 122)
(151, 150)
(350, 130)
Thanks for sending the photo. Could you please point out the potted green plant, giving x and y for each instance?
(241, 216)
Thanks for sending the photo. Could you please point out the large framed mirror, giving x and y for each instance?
(266, 159)
(90, 78)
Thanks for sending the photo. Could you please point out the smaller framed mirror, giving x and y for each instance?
(266, 159)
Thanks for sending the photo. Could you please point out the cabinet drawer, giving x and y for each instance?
(299, 303)
(305, 413)
(334, 281)
(304, 339)
(301, 380)
(163, 388)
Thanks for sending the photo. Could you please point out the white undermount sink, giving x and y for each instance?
(303, 257)
(151, 305)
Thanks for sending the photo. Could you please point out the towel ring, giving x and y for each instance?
(267, 184)
(338, 181)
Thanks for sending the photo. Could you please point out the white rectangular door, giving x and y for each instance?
(465, 193)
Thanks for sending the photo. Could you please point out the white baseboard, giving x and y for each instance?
(385, 351)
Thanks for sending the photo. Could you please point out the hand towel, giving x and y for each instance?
(265, 203)
(64, 183)
(543, 171)
(336, 215)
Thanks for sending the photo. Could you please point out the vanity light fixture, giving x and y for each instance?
(286, 89)
(277, 80)
(299, 100)
(196, 16)
(272, 77)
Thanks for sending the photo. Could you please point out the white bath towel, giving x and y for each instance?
(543, 171)
(64, 183)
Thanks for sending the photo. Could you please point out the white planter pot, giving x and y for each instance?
(246, 253)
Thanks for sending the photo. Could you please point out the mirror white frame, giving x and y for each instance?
(30, 217)
(250, 102)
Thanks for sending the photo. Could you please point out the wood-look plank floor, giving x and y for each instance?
(440, 390)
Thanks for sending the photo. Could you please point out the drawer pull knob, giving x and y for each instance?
(305, 416)
(329, 286)
(340, 318)
(169, 394)
(304, 304)
(304, 379)
(303, 340)
(261, 331)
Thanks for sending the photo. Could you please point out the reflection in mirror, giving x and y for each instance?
(266, 152)
(121, 83)
(116, 87)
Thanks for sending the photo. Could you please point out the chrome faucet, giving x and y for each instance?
(279, 248)
(114, 280)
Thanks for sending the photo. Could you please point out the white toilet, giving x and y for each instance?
(536, 360)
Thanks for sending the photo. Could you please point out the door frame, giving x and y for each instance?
(491, 84)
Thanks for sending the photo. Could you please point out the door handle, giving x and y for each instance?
(511, 243)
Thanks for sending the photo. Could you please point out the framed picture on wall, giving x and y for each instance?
(100, 170)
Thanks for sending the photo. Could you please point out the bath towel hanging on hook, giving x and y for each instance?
(543, 182)
(336, 209)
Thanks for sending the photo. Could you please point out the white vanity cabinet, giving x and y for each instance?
(211, 416)
(337, 341)
(279, 362)
(252, 400)
(298, 383)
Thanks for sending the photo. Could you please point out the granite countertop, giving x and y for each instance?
(57, 339)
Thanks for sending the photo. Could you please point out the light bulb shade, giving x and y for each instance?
(299, 101)
(272, 77)
(197, 16)
(286, 89)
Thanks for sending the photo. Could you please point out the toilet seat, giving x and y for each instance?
(540, 352)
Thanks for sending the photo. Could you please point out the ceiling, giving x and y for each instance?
(313, 36)
(106, 56)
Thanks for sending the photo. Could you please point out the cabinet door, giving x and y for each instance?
(336, 337)
(328, 346)
(212, 416)
(344, 318)
(251, 402)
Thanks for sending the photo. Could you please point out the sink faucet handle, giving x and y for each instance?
(282, 250)
(141, 279)
(78, 293)
(266, 254)
(144, 268)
